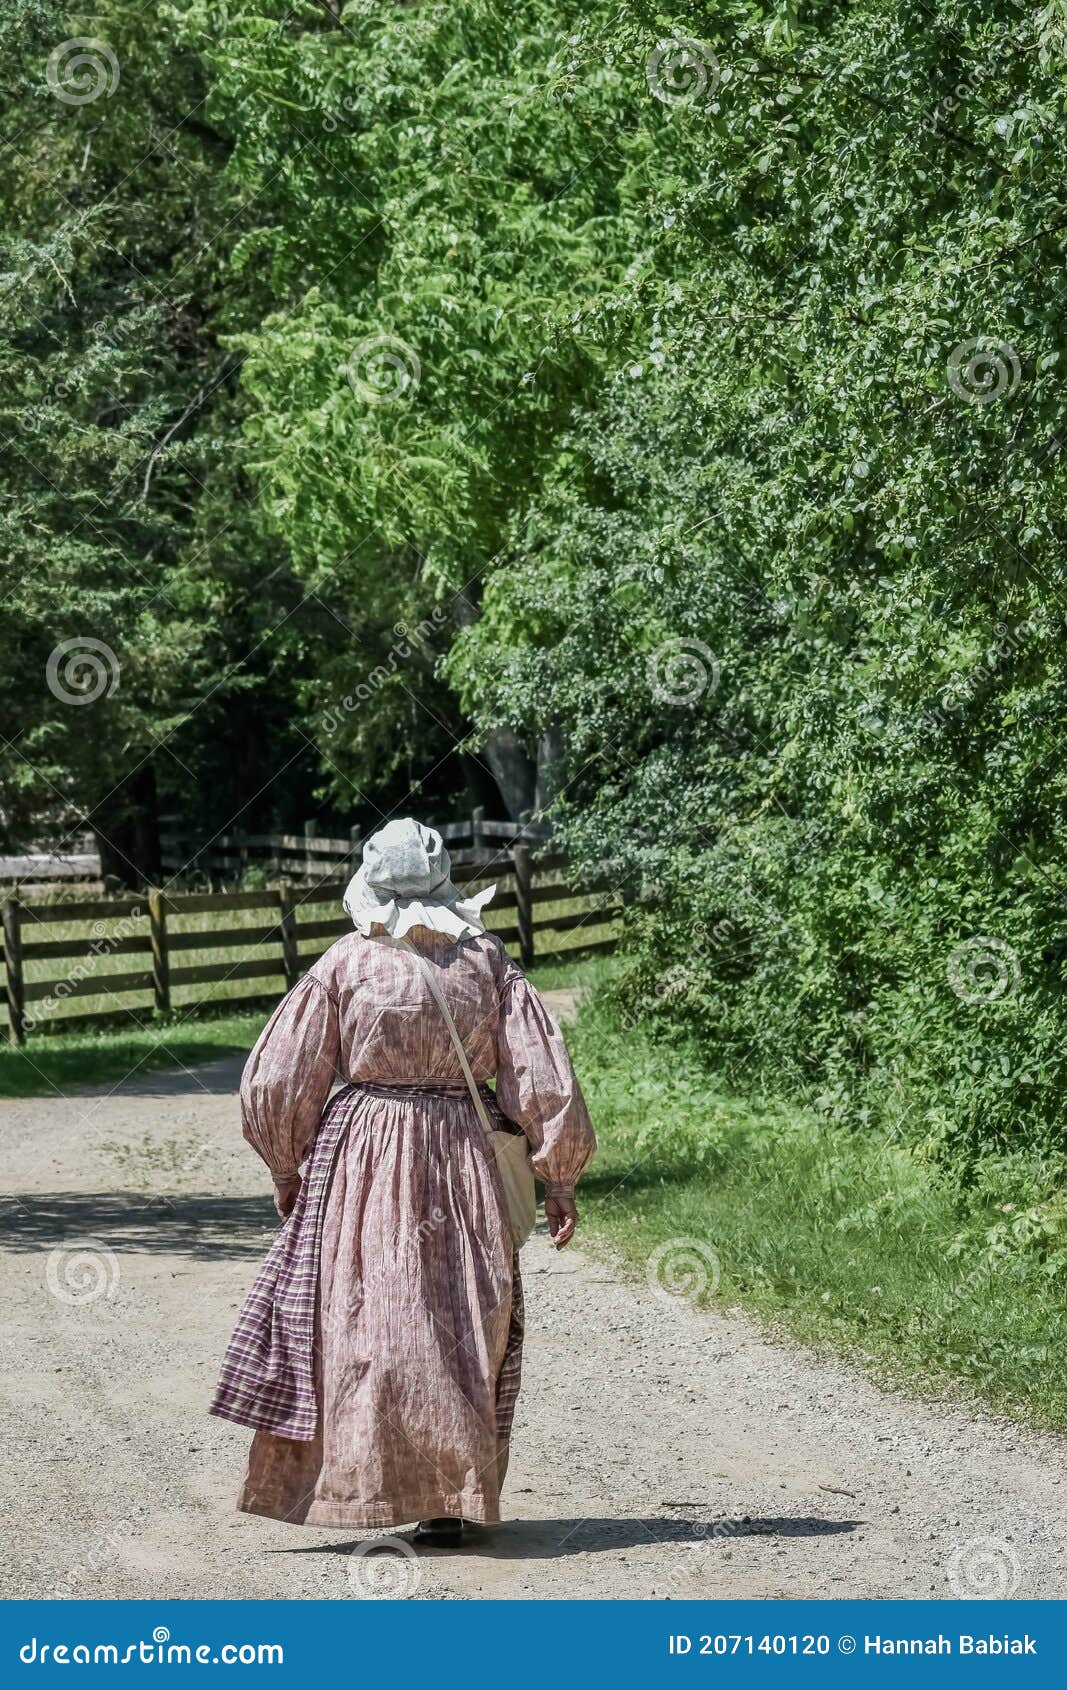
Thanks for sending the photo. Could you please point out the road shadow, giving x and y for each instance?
(199, 1226)
(219, 1078)
(550, 1540)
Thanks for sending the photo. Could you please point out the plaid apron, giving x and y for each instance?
(267, 1381)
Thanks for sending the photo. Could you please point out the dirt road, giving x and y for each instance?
(659, 1452)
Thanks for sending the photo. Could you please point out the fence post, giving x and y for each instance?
(477, 818)
(520, 856)
(157, 933)
(310, 830)
(287, 923)
(16, 1029)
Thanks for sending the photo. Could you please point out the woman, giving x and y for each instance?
(377, 1357)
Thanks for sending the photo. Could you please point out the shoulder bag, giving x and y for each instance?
(511, 1151)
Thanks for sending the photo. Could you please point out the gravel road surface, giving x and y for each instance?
(659, 1452)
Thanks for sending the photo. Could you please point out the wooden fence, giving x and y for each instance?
(310, 855)
(224, 862)
(227, 858)
(286, 926)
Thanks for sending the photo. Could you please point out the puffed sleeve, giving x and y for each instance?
(288, 1076)
(536, 1085)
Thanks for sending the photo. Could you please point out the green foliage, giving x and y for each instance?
(792, 593)
(696, 409)
(447, 204)
(128, 530)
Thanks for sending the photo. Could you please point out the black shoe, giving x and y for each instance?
(442, 1533)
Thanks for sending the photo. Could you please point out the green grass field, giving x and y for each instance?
(67, 1061)
(843, 1241)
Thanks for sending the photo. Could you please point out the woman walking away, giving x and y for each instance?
(377, 1357)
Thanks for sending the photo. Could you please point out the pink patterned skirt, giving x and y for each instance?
(378, 1354)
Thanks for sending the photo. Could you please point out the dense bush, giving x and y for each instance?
(794, 594)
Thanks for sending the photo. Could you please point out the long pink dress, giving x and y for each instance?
(379, 1352)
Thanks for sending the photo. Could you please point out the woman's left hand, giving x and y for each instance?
(286, 1193)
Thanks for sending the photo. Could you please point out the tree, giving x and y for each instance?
(443, 214)
(129, 546)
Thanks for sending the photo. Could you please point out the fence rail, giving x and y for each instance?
(224, 861)
(309, 855)
(286, 924)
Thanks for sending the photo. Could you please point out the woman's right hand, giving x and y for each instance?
(562, 1217)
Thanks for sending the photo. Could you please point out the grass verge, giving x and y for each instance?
(843, 1241)
(66, 1061)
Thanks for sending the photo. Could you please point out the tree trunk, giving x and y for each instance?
(513, 769)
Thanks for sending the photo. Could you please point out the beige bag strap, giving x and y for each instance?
(431, 980)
